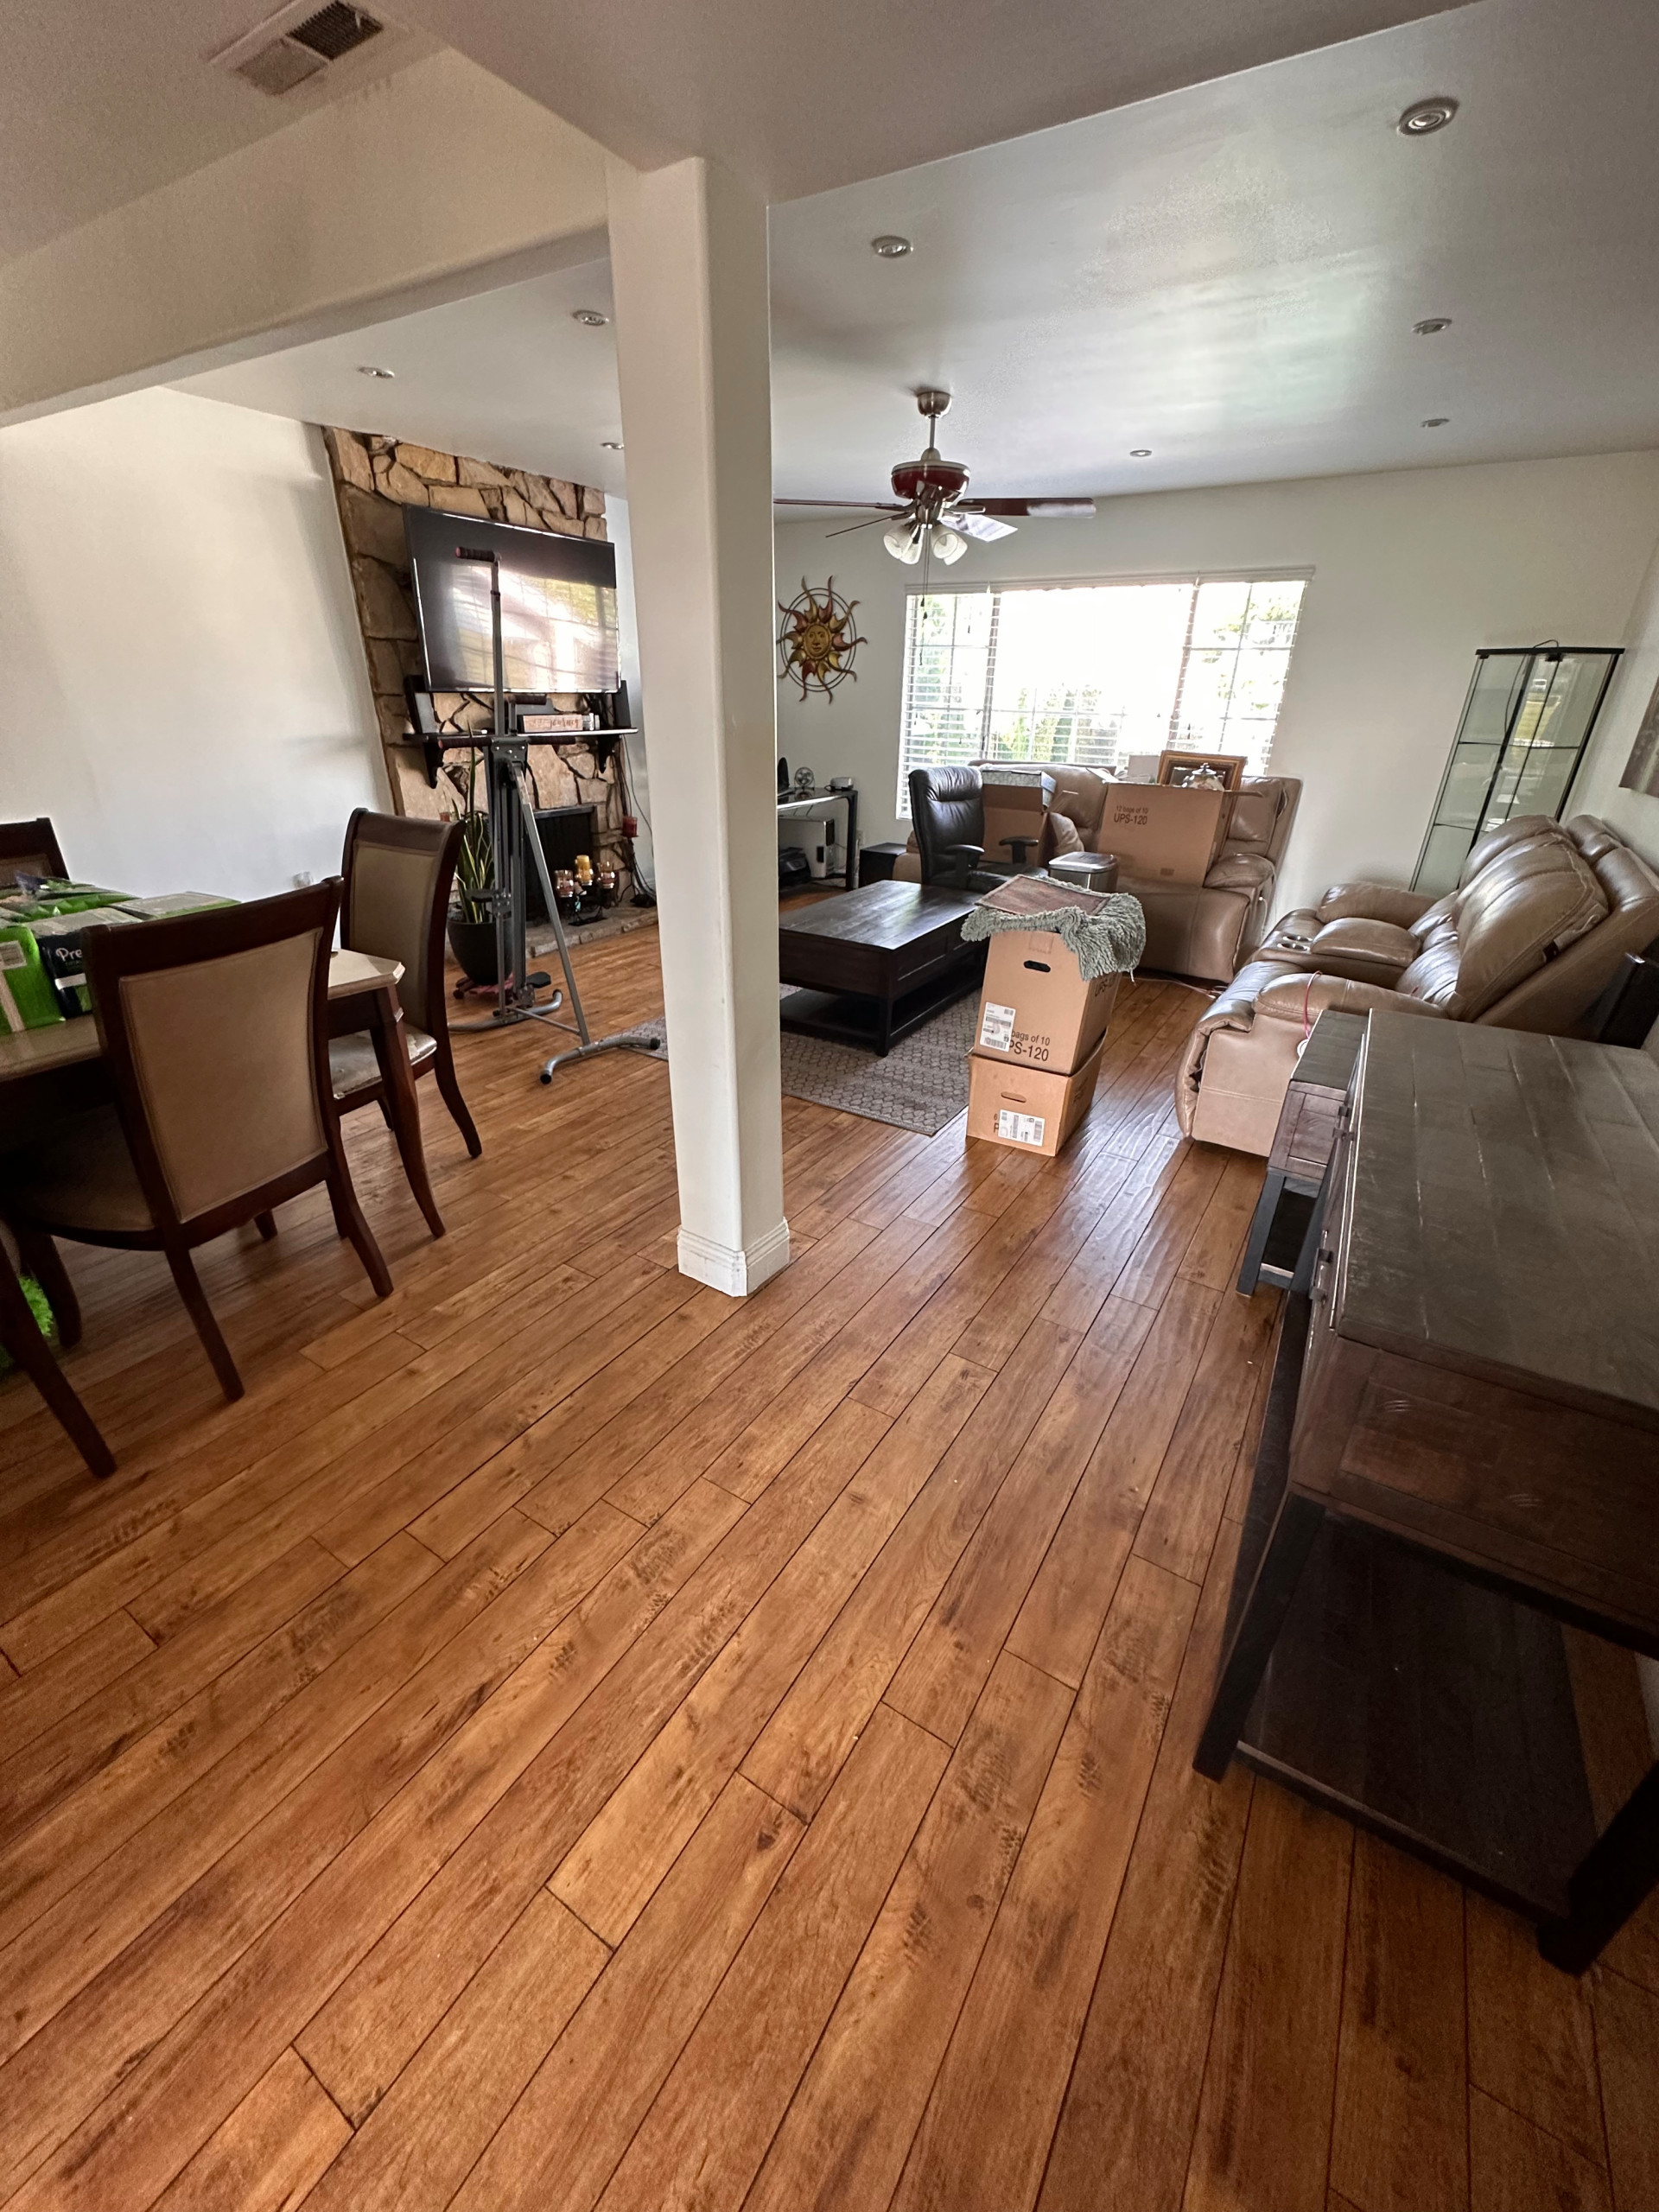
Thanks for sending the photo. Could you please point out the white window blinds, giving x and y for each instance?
(1092, 673)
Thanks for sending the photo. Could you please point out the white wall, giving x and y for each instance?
(183, 688)
(1412, 571)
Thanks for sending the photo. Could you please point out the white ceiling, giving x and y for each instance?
(99, 104)
(802, 98)
(1228, 275)
(508, 377)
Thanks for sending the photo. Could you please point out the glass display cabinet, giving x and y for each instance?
(1526, 722)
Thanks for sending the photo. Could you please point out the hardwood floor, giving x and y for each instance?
(569, 1739)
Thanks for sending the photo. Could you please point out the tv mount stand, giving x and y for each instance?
(507, 775)
(513, 842)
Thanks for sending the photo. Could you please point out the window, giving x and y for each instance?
(1094, 672)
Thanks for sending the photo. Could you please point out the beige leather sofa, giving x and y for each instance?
(1205, 930)
(1529, 939)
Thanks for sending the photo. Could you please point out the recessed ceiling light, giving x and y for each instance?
(1140, 453)
(1436, 422)
(590, 317)
(368, 369)
(890, 246)
(610, 445)
(1424, 116)
(1431, 324)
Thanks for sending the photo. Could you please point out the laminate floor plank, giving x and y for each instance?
(396, 1992)
(1265, 2112)
(984, 2138)
(266, 2155)
(847, 2131)
(1627, 2051)
(1125, 2132)
(568, 2132)
(1515, 2167)
(1401, 2134)
(566, 1738)
(421, 2141)
(1532, 2041)
(702, 2141)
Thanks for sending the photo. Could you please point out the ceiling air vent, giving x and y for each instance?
(275, 59)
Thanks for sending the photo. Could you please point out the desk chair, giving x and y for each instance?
(398, 871)
(28, 849)
(947, 811)
(215, 1029)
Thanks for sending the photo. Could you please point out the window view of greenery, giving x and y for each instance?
(1092, 673)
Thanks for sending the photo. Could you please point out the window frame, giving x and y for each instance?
(1289, 572)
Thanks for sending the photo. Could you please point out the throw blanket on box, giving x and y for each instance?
(1105, 930)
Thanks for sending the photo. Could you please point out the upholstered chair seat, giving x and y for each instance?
(83, 1176)
(353, 1065)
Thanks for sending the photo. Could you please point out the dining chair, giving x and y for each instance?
(397, 871)
(214, 1028)
(29, 848)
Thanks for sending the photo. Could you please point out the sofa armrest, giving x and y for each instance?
(1245, 872)
(1303, 999)
(1373, 902)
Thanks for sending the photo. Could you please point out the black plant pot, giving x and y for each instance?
(473, 946)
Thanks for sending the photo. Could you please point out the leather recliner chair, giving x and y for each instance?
(1529, 940)
(947, 809)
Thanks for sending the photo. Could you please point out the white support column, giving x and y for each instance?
(689, 262)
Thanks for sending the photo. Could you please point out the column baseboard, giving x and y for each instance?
(737, 1270)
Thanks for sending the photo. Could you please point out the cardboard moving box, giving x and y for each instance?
(1036, 1009)
(1033, 1109)
(1017, 811)
(1163, 834)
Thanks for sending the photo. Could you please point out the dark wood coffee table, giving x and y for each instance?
(877, 963)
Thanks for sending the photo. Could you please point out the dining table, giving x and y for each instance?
(48, 1073)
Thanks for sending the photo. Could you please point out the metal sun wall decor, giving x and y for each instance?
(816, 639)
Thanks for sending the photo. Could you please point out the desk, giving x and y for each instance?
(1461, 1452)
(46, 1074)
(809, 809)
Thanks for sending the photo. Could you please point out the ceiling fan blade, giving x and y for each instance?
(1035, 510)
(986, 528)
(847, 529)
(860, 506)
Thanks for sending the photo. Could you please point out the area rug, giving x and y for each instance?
(921, 1084)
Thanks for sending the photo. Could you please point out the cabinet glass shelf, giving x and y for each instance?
(1526, 722)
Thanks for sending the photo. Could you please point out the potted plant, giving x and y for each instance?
(472, 925)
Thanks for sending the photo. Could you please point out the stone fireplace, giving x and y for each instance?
(375, 478)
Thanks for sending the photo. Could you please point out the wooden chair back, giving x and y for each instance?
(214, 1026)
(29, 848)
(397, 871)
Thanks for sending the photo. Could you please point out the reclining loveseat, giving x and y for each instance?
(1205, 930)
(1534, 933)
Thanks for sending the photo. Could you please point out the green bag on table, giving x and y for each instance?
(27, 1000)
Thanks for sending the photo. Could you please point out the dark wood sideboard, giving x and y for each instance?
(1461, 1454)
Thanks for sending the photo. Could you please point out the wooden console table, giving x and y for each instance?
(1461, 1452)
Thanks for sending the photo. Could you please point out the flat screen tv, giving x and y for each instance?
(558, 605)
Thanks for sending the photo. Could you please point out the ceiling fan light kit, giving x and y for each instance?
(932, 517)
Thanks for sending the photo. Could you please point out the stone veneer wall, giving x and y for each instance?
(375, 478)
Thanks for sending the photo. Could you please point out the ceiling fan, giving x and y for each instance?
(931, 516)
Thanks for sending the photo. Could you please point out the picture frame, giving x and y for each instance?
(1177, 767)
(1641, 769)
